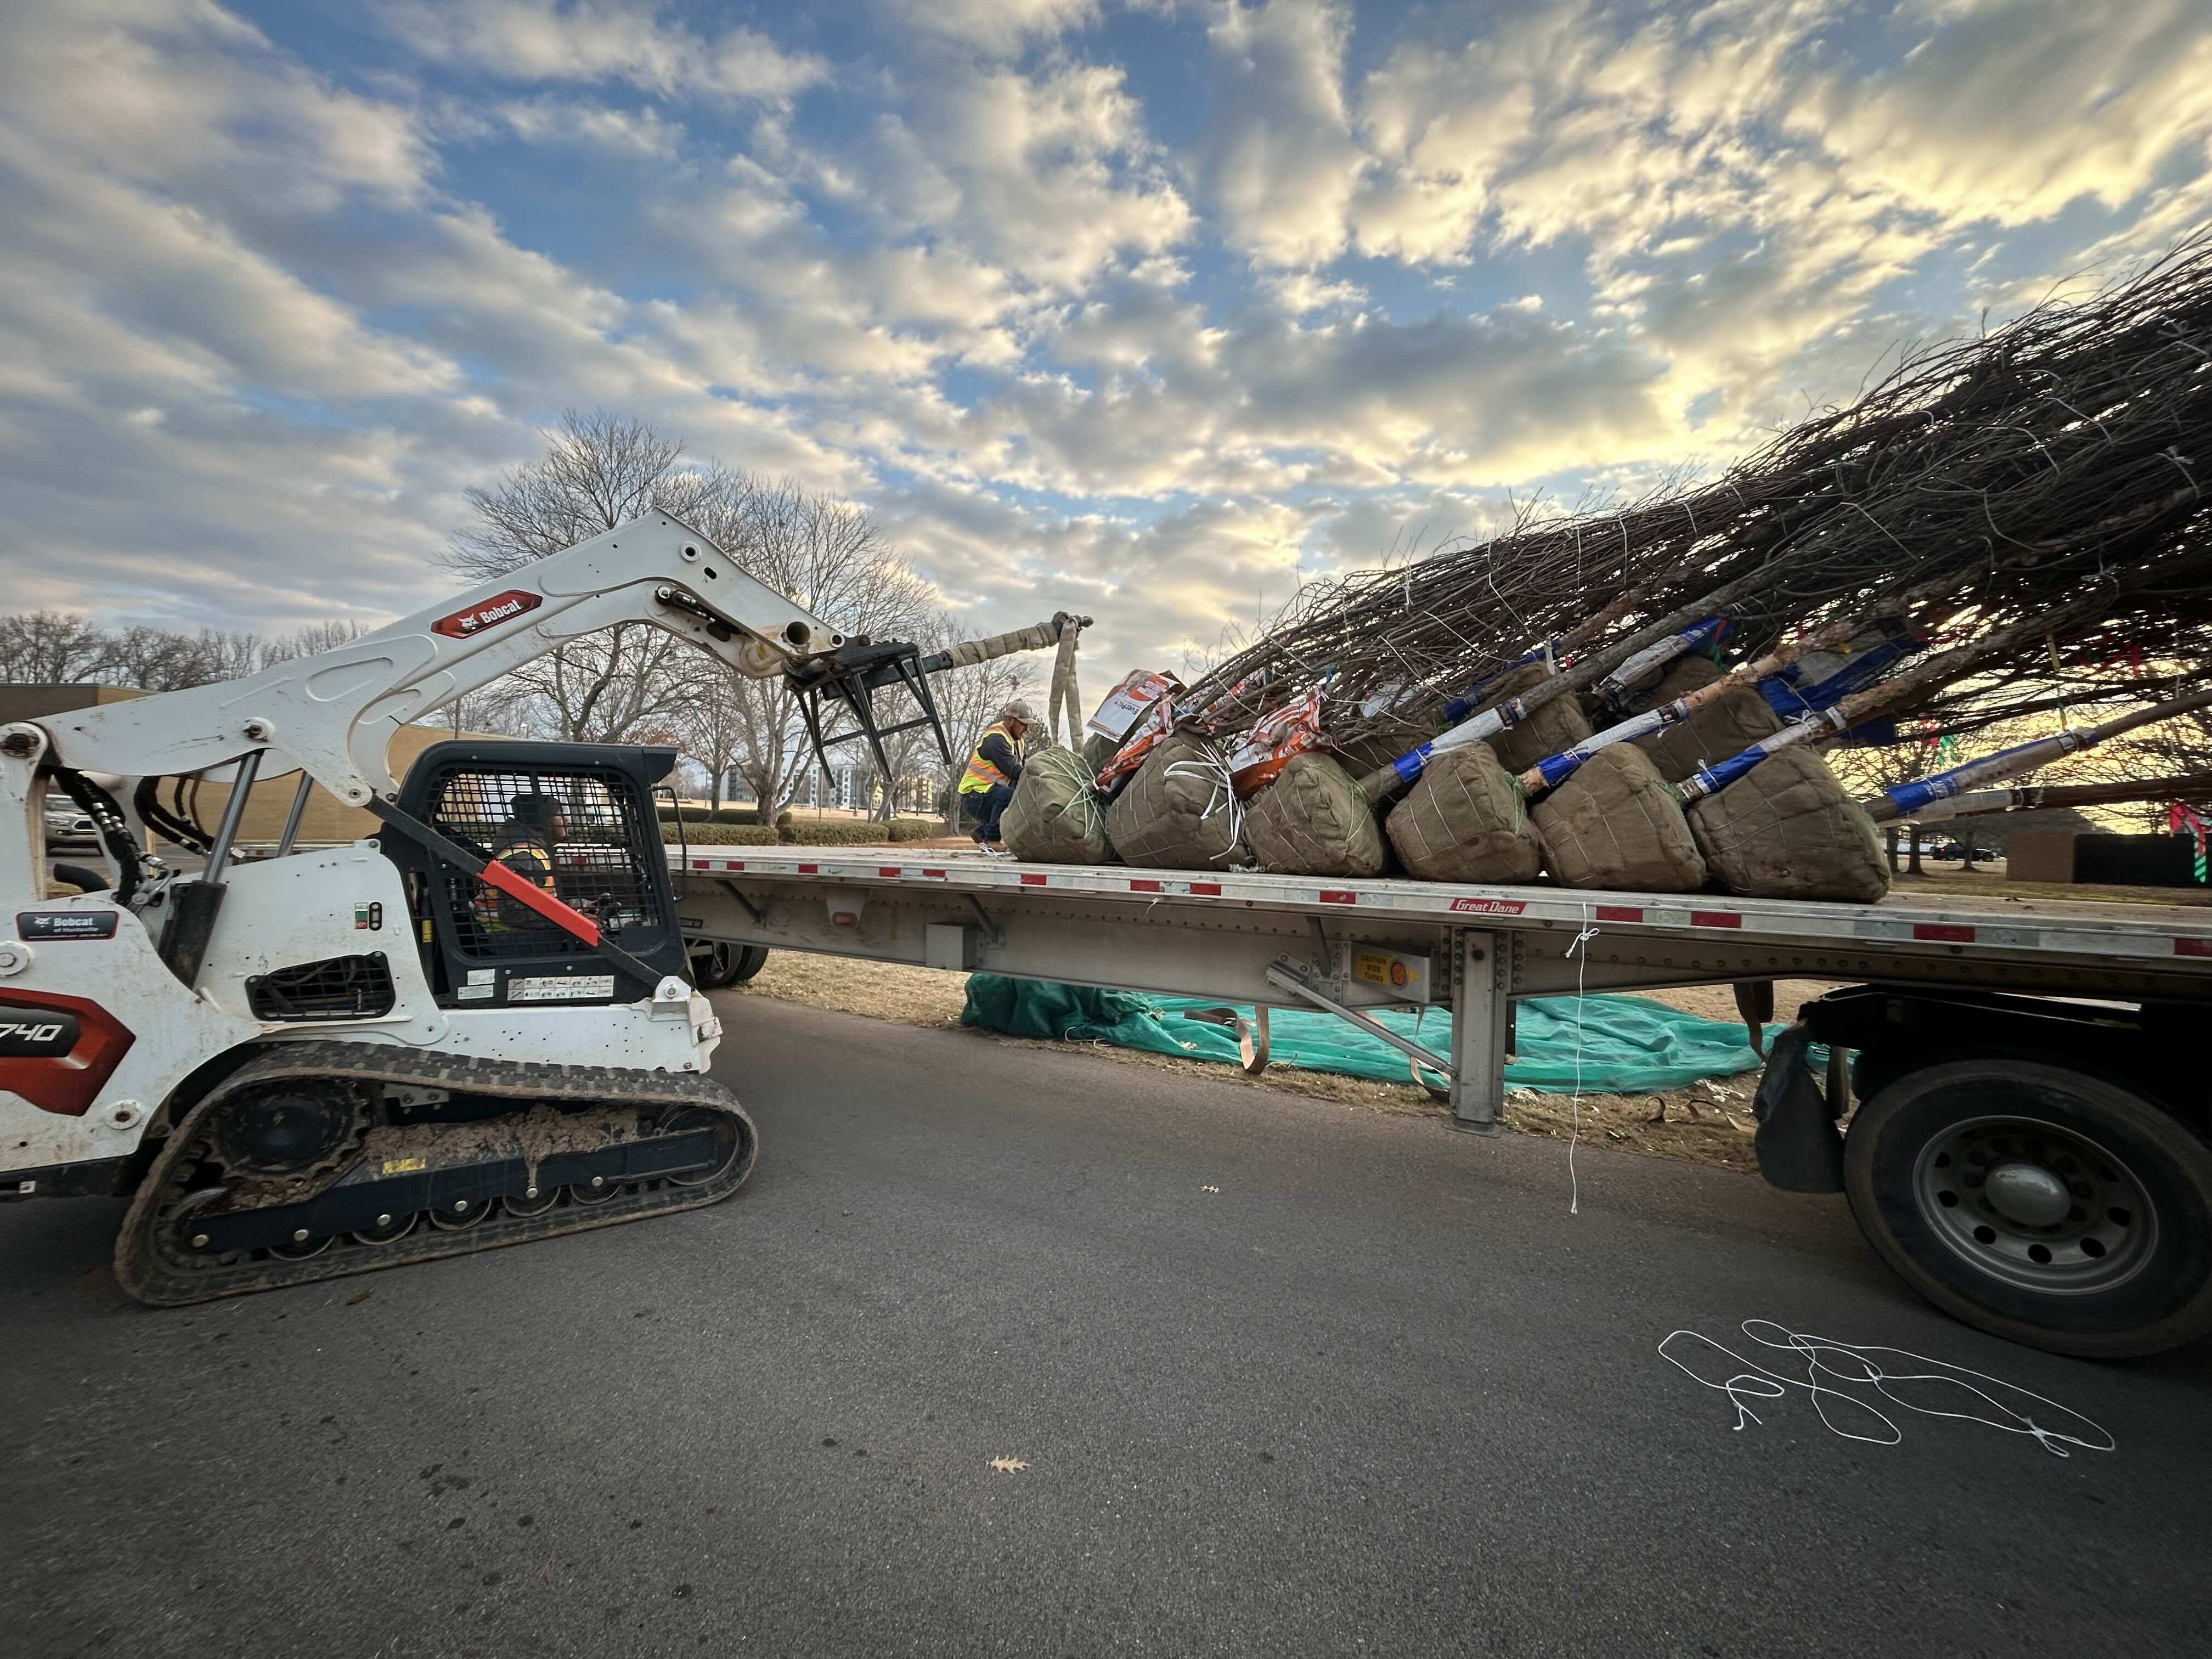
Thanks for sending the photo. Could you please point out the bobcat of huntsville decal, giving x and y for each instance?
(66, 924)
(1490, 907)
(500, 607)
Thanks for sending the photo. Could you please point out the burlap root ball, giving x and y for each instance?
(1055, 816)
(1098, 749)
(1466, 821)
(1559, 724)
(1177, 812)
(1680, 678)
(1727, 726)
(1391, 737)
(1315, 820)
(1787, 829)
(1615, 823)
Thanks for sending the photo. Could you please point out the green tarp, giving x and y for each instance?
(1630, 1045)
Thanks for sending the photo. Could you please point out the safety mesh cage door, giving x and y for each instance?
(575, 834)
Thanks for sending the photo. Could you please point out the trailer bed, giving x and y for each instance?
(1259, 939)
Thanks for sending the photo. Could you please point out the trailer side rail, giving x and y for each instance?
(1257, 939)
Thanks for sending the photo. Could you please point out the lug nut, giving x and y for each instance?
(199, 1240)
(460, 1206)
(599, 1181)
(532, 1192)
(384, 1221)
(299, 1235)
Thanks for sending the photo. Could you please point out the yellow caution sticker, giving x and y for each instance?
(404, 1165)
(1400, 973)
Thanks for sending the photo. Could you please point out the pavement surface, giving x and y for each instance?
(1009, 1352)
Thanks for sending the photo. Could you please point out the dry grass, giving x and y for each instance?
(1984, 884)
(1709, 1122)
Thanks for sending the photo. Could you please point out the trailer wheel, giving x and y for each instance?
(2044, 1205)
(717, 964)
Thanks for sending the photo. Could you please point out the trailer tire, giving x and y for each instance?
(717, 964)
(2042, 1204)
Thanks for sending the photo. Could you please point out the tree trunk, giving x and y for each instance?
(1912, 841)
(1889, 846)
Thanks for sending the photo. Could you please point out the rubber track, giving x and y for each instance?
(141, 1272)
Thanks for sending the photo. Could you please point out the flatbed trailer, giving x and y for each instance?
(2030, 1151)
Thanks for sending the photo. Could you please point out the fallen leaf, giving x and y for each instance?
(355, 1301)
(1209, 1189)
(1008, 1465)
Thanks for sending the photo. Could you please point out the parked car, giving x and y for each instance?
(68, 826)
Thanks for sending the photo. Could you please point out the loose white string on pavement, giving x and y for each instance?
(1847, 1365)
(1574, 1138)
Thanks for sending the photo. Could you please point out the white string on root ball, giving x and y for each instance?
(1832, 1368)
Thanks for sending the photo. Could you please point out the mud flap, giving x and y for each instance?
(1800, 1149)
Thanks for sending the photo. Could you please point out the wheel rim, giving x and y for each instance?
(2036, 1206)
(391, 1233)
(521, 1205)
(722, 961)
(584, 1193)
(448, 1219)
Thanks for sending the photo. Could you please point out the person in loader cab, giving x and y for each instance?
(994, 770)
(534, 825)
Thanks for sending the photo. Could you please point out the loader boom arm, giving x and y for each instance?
(333, 714)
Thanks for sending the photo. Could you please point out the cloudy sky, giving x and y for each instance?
(1148, 307)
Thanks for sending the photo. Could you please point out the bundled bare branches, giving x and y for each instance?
(2052, 471)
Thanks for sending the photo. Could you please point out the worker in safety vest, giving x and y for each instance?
(994, 770)
(534, 827)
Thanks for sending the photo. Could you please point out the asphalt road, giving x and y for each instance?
(1380, 1394)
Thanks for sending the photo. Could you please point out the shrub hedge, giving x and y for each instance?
(718, 815)
(726, 835)
(830, 832)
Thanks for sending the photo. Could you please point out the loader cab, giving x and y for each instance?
(577, 820)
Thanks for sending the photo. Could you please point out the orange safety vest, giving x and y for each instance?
(981, 774)
(498, 912)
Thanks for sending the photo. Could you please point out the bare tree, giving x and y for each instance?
(2170, 749)
(600, 472)
(309, 640)
(155, 660)
(50, 647)
(227, 656)
(824, 554)
(710, 724)
(46, 646)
